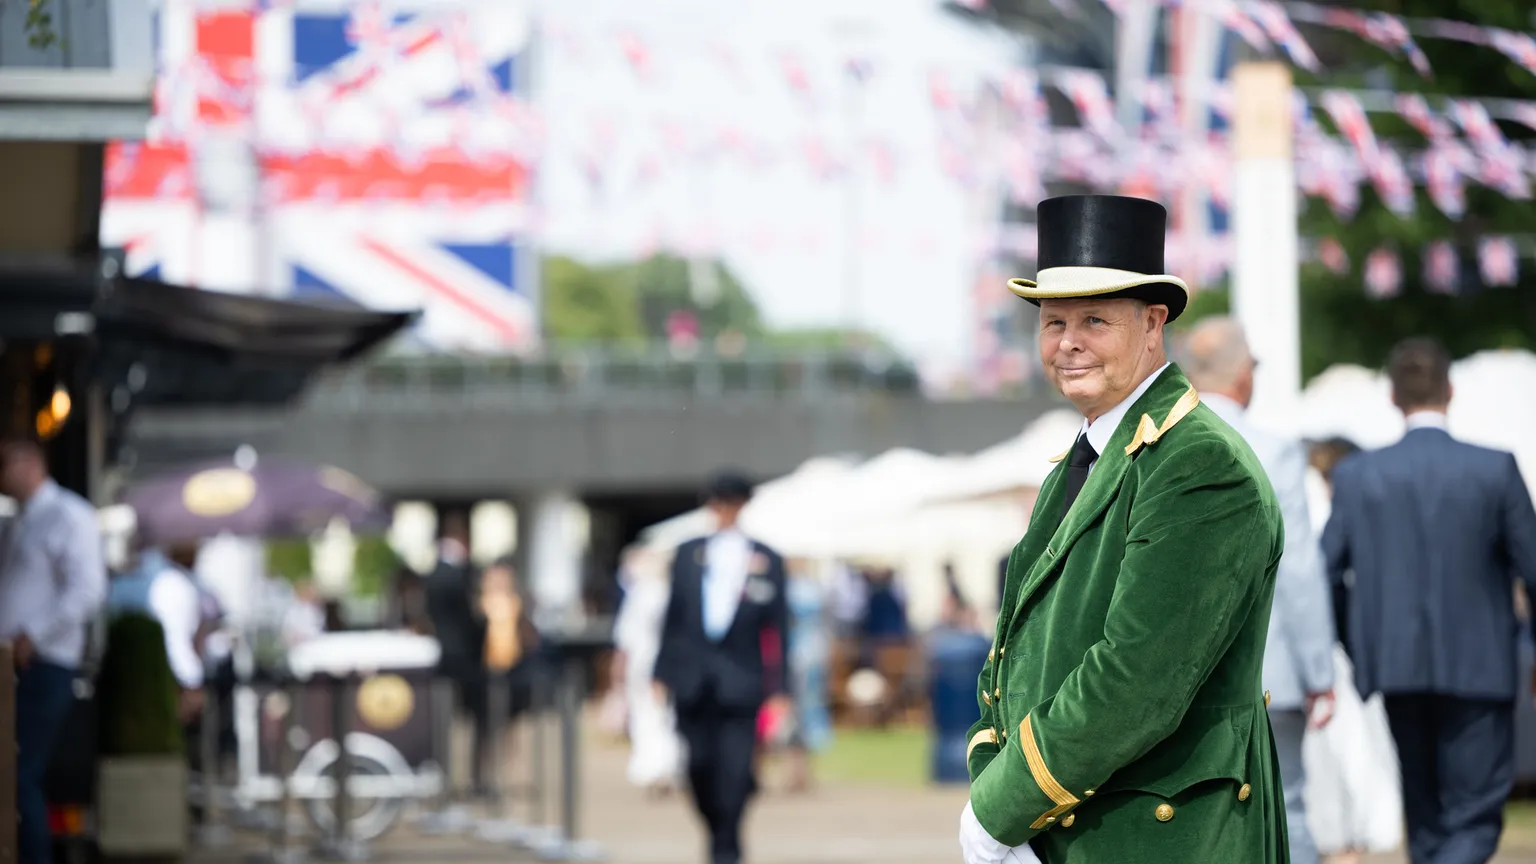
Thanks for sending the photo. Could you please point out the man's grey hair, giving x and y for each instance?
(1214, 353)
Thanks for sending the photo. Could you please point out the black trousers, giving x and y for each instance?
(721, 745)
(1458, 767)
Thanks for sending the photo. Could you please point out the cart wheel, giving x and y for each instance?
(372, 817)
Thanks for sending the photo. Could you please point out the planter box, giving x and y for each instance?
(141, 805)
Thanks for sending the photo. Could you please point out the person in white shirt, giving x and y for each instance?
(1298, 658)
(157, 587)
(53, 578)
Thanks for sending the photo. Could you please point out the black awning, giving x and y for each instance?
(45, 299)
(174, 345)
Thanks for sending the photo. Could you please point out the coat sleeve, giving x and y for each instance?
(1301, 586)
(671, 622)
(982, 745)
(1519, 530)
(1202, 536)
(779, 616)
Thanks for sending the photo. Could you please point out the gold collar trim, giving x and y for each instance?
(1148, 432)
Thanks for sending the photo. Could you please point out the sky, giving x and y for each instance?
(715, 69)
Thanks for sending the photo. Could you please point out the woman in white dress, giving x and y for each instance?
(1354, 801)
(656, 751)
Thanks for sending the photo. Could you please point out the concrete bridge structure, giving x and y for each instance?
(628, 438)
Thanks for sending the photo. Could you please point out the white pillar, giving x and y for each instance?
(1265, 280)
(334, 556)
(492, 531)
(413, 534)
(556, 535)
(1135, 39)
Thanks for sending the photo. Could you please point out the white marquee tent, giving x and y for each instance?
(923, 511)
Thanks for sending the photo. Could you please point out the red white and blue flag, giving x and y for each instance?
(392, 148)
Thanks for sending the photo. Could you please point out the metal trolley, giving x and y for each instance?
(376, 686)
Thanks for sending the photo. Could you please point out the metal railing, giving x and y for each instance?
(614, 374)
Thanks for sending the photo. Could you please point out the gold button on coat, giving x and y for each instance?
(997, 693)
(1164, 812)
(1266, 698)
(1243, 793)
(1067, 822)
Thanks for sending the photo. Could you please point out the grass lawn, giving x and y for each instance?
(898, 757)
(892, 757)
(1520, 825)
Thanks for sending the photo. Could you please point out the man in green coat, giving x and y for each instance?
(1122, 715)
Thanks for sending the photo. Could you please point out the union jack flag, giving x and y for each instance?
(392, 149)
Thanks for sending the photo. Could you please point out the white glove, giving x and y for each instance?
(1021, 855)
(978, 847)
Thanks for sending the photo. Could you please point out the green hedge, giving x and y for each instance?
(136, 693)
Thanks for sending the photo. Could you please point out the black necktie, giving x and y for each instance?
(1078, 460)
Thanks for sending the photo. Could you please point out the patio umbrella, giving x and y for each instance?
(272, 498)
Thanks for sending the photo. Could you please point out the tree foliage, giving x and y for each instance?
(632, 303)
(1341, 323)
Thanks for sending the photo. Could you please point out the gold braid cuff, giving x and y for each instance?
(1048, 784)
(985, 736)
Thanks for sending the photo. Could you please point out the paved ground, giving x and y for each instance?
(847, 825)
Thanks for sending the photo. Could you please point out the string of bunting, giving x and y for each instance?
(1159, 156)
(1267, 25)
(1445, 268)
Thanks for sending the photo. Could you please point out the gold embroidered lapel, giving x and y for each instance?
(1109, 473)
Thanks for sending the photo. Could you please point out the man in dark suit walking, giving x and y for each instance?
(452, 592)
(728, 592)
(1435, 531)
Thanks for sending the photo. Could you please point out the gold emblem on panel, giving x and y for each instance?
(385, 702)
(218, 492)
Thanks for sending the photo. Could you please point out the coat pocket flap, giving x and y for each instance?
(1210, 744)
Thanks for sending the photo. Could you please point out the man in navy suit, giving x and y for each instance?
(1435, 532)
(728, 593)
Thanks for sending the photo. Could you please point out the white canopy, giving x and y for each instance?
(1020, 463)
(771, 512)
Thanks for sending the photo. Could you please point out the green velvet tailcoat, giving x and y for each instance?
(1122, 715)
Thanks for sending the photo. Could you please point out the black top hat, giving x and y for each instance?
(1102, 246)
(728, 485)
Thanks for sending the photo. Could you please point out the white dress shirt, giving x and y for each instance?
(1427, 420)
(726, 557)
(175, 603)
(53, 576)
(1103, 427)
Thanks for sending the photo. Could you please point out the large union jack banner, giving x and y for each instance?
(389, 150)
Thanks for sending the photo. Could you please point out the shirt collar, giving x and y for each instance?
(1225, 406)
(1427, 420)
(45, 492)
(1101, 430)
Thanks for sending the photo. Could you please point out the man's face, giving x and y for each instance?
(726, 512)
(1097, 351)
(16, 473)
